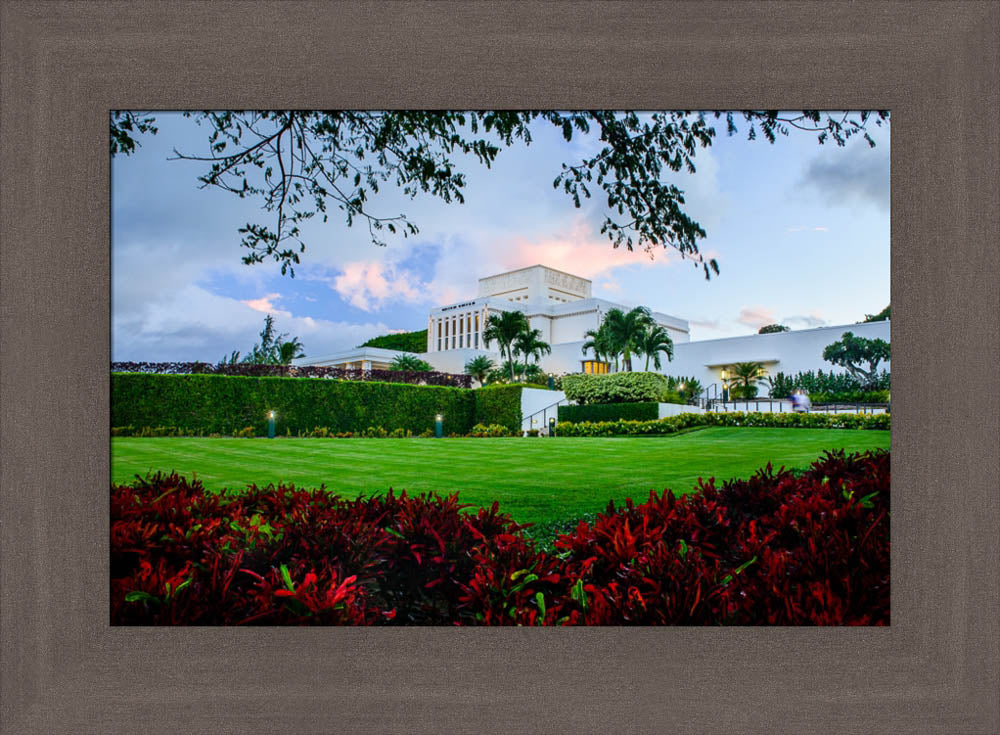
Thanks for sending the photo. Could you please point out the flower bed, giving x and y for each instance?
(673, 424)
(774, 549)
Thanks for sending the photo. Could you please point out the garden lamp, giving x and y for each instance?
(270, 424)
(552, 426)
(439, 426)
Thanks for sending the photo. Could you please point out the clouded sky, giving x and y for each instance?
(800, 231)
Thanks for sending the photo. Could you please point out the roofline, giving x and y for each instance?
(847, 327)
(537, 265)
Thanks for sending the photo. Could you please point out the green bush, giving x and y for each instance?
(498, 404)
(673, 424)
(852, 396)
(610, 412)
(618, 388)
(493, 430)
(206, 404)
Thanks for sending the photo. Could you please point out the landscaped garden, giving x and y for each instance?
(356, 513)
(536, 480)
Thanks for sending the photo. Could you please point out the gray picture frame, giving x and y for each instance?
(66, 670)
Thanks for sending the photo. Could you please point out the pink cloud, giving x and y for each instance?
(368, 285)
(757, 316)
(578, 252)
(265, 304)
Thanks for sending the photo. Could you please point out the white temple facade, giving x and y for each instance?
(558, 304)
(561, 306)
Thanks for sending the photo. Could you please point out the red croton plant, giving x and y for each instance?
(776, 549)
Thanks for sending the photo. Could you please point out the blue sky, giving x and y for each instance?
(800, 230)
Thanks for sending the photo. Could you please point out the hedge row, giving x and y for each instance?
(269, 370)
(610, 412)
(220, 404)
(673, 424)
(499, 404)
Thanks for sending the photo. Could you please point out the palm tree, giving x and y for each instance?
(479, 368)
(533, 373)
(411, 363)
(288, 351)
(529, 343)
(503, 328)
(654, 341)
(746, 375)
(598, 340)
(626, 330)
(689, 388)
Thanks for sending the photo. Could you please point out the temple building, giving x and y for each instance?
(558, 304)
(561, 306)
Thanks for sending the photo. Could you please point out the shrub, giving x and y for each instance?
(610, 412)
(499, 404)
(278, 555)
(836, 385)
(617, 388)
(673, 424)
(493, 430)
(533, 432)
(854, 396)
(224, 404)
(777, 549)
(260, 370)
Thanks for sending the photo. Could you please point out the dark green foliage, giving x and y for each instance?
(224, 404)
(850, 352)
(619, 388)
(772, 329)
(880, 317)
(831, 386)
(405, 341)
(273, 349)
(610, 412)
(411, 363)
(681, 422)
(499, 404)
(851, 396)
(301, 163)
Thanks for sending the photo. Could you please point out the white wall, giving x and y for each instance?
(787, 352)
(536, 399)
(453, 361)
(675, 409)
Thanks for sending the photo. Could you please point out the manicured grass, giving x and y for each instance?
(536, 480)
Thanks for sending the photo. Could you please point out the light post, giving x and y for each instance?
(725, 386)
(439, 426)
(552, 426)
(270, 424)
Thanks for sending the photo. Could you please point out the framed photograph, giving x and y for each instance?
(502, 340)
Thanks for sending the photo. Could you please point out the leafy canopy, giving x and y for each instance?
(772, 329)
(273, 348)
(881, 316)
(411, 363)
(850, 352)
(405, 341)
(302, 163)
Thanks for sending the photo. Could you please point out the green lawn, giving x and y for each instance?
(536, 480)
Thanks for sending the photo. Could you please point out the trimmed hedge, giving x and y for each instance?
(619, 388)
(223, 404)
(673, 424)
(610, 412)
(499, 404)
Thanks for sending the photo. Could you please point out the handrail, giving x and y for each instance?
(542, 411)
